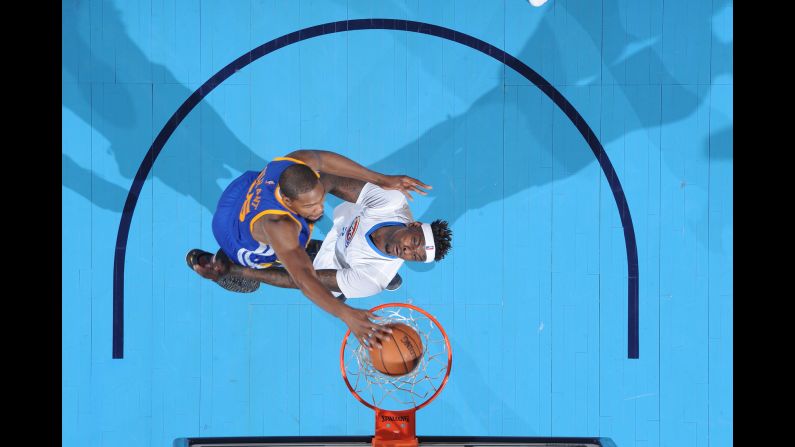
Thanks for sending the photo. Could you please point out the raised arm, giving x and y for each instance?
(339, 165)
(333, 163)
(345, 188)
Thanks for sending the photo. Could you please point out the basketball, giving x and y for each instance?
(401, 351)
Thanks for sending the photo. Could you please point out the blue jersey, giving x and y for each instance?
(247, 199)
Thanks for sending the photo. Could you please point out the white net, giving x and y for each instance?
(401, 392)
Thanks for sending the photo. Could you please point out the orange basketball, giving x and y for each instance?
(401, 352)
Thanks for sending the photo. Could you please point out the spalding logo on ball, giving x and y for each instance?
(400, 352)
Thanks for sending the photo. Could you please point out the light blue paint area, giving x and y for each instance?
(722, 55)
(76, 271)
(545, 37)
(684, 285)
(721, 271)
(635, 47)
(588, 80)
(533, 294)
(175, 37)
(574, 272)
(686, 34)
(723, 24)
(526, 318)
(634, 399)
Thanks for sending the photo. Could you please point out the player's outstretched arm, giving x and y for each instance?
(333, 163)
(283, 236)
(345, 188)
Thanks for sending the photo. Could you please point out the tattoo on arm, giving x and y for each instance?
(345, 188)
(279, 277)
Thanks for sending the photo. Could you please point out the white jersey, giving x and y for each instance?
(362, 269)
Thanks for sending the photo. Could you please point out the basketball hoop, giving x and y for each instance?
(397, 399)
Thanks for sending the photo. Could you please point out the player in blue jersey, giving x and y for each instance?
(266, 217)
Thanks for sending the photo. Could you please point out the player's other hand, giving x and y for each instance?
(404, 184)
(366, 331)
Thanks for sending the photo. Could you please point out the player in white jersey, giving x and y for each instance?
(373, 234)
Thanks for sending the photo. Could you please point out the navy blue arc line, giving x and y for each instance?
(387, 24)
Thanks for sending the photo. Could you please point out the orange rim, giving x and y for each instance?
(446, 342)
